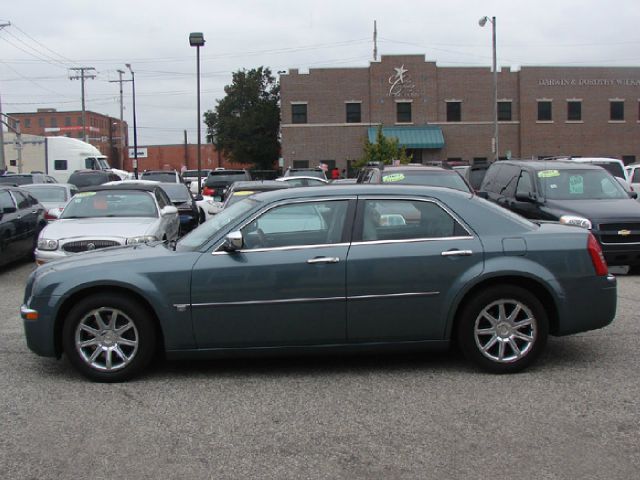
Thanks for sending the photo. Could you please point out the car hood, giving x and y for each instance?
(98, 227)
(597, 209)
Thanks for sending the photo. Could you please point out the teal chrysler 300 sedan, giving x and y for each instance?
(311, 269)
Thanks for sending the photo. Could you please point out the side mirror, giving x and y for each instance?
(168, 210)
(633, 195)
(233, 241)
(528, 197)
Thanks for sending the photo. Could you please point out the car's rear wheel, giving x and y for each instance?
(503, 329)
(109, 338)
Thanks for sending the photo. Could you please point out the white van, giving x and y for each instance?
(614, 166)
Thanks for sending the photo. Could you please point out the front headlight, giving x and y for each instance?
(575, 220)
(47, 244)
(141, 239)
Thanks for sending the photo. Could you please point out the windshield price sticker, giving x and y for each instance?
(243, 193)
(576, 185)
(548, 174)
(395, 177)
(84, 194)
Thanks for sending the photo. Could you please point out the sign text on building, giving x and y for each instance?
(588, 82)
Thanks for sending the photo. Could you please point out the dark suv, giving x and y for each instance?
(412, 174)
(219, 180)
(572, 193)
(92, 178)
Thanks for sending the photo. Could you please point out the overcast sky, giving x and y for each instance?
(47, 38)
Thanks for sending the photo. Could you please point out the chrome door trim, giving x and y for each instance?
(266, 302)
(280, 249)
(394, 295)
(411, 240)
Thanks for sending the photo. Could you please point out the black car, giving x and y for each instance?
(412, 174)
(218, 182)
(572, 193)
(92, 178)
(21, 219)
(182, 199)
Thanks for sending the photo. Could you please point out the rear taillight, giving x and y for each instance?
(210, 192)
(595, 251)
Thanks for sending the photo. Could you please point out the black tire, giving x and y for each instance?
(129, 360)
(523, 335)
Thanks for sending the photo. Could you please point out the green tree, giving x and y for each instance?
(245, 123)
(384, 149)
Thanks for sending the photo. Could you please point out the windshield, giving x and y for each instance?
(579, 185)
(48, 194)
(177, 192)
(17, 179)
(217, 178)
(104, 165)
(194, 173)
(111, 203)
(446, 179)
(204, 232)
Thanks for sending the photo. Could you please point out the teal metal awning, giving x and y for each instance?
(412, 136)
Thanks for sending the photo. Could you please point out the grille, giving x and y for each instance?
(610, 232)
(83, 245)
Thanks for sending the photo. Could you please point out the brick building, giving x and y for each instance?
(441, 113)
(102, 131)
(174, 157)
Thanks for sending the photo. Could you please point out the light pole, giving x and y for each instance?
(196, 39)
(482, 22)
(135, 126)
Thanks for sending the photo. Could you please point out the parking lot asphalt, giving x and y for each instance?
(574, 415)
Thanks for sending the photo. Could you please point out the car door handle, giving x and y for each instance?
(323, 260)
(459, 253)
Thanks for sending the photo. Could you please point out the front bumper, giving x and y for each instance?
(44, 256)
(39, 329)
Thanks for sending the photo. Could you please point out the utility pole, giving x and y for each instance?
(120, 73)
(375, 40)
(3, 163)
(81, 77)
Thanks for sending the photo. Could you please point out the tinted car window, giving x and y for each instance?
(49, 194)
(91, 179)
(507, 180)
(177, 192)
(160, 176)
(226, 177)
(406, 219)
(16, 179)
(22, 200)
(313, 223)
(613, 168)
(6, 201)
(525, 185)
(578, 185)
(489, 183)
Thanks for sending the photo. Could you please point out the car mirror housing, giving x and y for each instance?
(233, 241)
(168, 210)
(527, 197)
(633, 195)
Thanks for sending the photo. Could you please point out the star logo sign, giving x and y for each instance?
(400, 73)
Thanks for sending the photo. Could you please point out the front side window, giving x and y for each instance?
(544, 111)
(5, 200)
(454, 111)
(299, 113)
(22, 200)
(574, 111)
(312, 223)
(354, 113)
(405, 220)
(504, 111)
(525, 186)
(403, 112)
(59, 164)
(616, 110)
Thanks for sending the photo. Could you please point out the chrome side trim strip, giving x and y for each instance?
(306, 300)
(284, 249)
(394, 295)
(267, 302)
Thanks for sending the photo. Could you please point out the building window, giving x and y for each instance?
(67, 121)
(299, 113)
(301, 164)
(454, 111)
(574, 110)
(403, 112)
(41, 122)
(504, 111)
(544, 111)
(629, 159)
(617, 110)
(79, 121)
(353, 112)
(54, 122)
(27, 123)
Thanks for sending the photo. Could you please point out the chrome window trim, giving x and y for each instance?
(282, 249)
(410, 240)
(181, 306)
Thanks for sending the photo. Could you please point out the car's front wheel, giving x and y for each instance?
(109, 338)
(503, 329)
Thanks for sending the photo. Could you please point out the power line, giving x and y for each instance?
(43, 45)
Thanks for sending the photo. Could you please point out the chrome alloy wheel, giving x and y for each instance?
(106, 339)
(505, 331)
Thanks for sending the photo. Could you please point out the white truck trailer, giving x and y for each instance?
(58, 157)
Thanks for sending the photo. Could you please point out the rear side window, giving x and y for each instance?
(613, 168)
(489, 181)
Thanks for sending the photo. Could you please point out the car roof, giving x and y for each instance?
(125, 186)
(550, 164)
(352, 189)
(48, 185)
